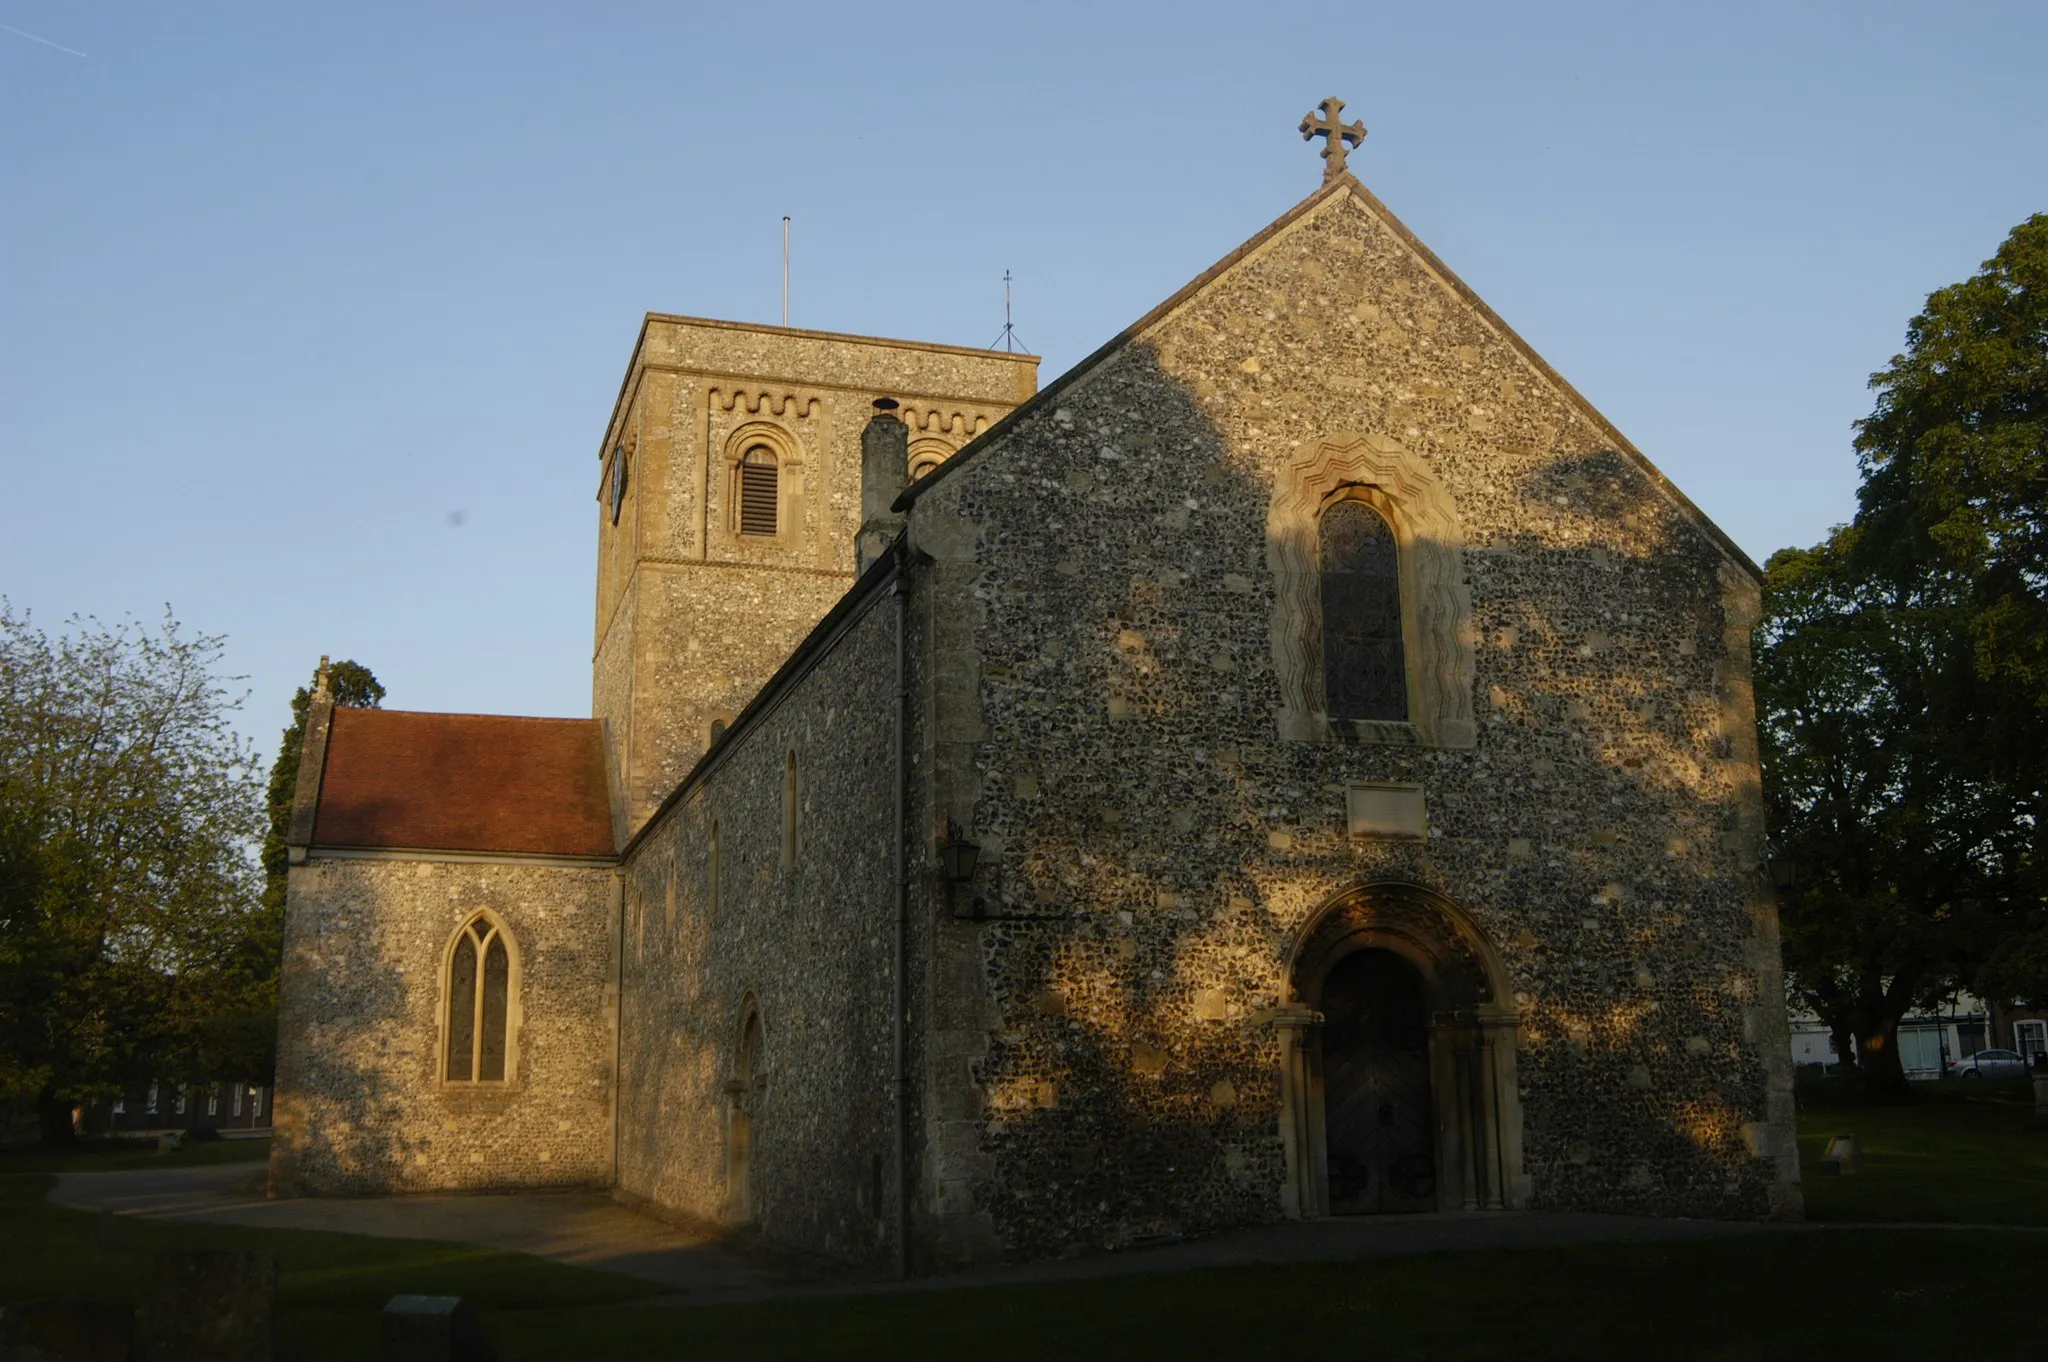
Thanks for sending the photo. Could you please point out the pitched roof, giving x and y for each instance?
(464, 782)
(1047, 396)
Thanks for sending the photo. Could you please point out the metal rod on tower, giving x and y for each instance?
(785, 269)
(1009, 340)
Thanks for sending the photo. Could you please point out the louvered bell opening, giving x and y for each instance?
(757, 492)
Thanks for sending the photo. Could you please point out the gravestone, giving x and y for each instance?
(66, 1331)
(1844, 1155)
(210, 1305)
(433, 1329)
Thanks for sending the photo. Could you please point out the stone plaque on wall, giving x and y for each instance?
(1385, 810)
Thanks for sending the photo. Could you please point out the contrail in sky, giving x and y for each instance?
(44, 41)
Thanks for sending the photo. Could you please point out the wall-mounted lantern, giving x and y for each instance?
(957, 856)
(1784, 872)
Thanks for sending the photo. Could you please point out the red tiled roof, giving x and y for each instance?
(464, 782)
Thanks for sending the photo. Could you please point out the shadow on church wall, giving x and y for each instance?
(361, 1107)
(1602, 834)
(789, 1139)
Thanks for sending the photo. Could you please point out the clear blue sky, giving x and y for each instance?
(288, 290)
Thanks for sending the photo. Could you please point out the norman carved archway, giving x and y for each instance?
(1475, 1113)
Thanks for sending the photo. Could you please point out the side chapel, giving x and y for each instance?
(1300, 762)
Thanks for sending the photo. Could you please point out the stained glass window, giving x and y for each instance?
(479, 1004)
(1364, 673)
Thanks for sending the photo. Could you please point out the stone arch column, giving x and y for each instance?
(1472, 1043)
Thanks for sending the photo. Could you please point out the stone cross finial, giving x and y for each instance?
(321, 690)
(1335, 132)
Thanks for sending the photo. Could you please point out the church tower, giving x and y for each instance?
(729, 503)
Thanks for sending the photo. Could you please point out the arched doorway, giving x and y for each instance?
(743, 1098)
(1398, 1061)
(1378, 1125)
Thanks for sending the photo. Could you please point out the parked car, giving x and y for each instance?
(1990, 1064)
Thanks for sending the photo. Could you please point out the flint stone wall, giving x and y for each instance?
(692, 617)
(809, 939)
(1120, 762)
(360, 1106)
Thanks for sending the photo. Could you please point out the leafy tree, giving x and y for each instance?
(351, 684)
(1902, 679)
(1904, 852)
(128, 808)
(1954, 516)
(1954, 503)
(238, 1034)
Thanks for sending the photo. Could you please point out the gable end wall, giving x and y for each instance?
(1604, 832)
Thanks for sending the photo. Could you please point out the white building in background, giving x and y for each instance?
(1928, 1041)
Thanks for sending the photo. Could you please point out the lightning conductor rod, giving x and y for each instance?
(785, 269)
(1009, 340)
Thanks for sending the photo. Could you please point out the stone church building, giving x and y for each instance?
(1301, 761)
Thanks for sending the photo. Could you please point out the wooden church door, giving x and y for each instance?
(1378, 1126)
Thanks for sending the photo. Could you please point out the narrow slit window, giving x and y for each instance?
(479, 1005)
(758, 484)
(712, 869)
(1364, 667)
(789, 793)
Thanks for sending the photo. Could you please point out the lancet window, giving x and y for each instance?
(479, 1004)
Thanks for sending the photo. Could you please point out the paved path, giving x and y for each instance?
(589, 1229)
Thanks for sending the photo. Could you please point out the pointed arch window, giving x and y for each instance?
(760, 476)
(1365, 671)
(479, 1004)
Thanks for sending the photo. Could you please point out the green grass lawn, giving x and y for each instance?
(330, 1286)
(1802, 1296)
(1849, 1293)
(113, 1153)
(1964, 1153)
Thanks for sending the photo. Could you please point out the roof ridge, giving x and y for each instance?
(1471, 298)
(466, 714)
(1121, 339)
(1347, 183)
